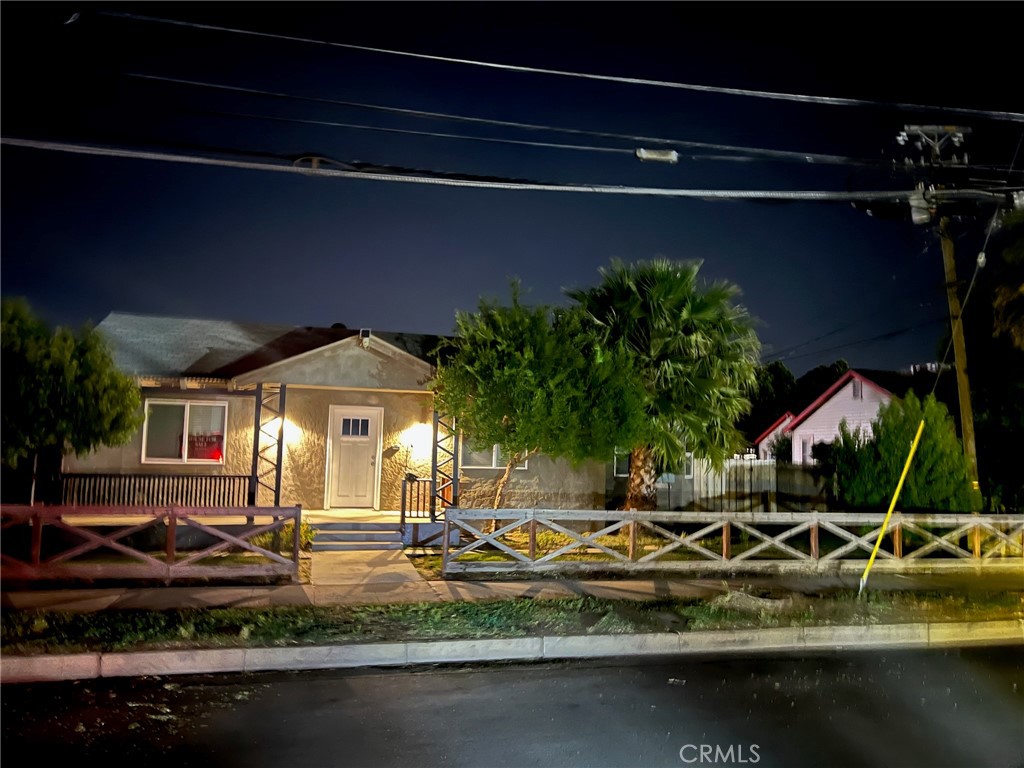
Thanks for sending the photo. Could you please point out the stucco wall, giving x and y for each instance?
(545, 484)
(305, 456)
(127, 459)
(347, 364)
(305, 466)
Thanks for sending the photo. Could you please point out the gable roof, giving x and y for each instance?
(827, 394)
(775, 425)
(153, 345)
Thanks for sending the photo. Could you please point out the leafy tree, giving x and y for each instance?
(60, 390)
(1008, 291)
(867, 469)
(994, 332)
(781, 448)
(695, 353)
(531, 379)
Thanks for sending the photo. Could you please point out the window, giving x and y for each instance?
(858, 389)
(355, 427)
(184, 432)
(488, 458)
(688, 466)
(620, 464)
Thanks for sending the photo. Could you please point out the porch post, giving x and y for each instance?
(280, 445)
(251, 495)
(433, 467)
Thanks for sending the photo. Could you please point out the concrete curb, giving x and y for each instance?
(25, 669)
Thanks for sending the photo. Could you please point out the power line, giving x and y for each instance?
(456, 181)
(803, 98)
(778, 154)
(431, 134)
(879, 337)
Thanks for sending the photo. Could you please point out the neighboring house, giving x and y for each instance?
(855, 397)
(358, 417)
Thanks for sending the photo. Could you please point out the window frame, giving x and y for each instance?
(496, 462)
(687, 467)
(223, 404)
(616, 455)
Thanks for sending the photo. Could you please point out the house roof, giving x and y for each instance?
(827, 394)
(775, 425)
(153, 345)
(891, 383)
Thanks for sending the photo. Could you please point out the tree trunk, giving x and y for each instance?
(500, 491)
(35, 469)
(502, 488)
(642, 491)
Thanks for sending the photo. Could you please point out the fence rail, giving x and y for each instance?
(536, 540)
(167, 543)
(79, 489)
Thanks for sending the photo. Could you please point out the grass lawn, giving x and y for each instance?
(40, 632)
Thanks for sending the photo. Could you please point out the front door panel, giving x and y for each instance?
(355, 448)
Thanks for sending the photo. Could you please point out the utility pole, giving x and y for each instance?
(959, 351)
(932, 139)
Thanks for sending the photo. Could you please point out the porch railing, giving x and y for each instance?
(80, 489)
(535, 540)
(416, 494)
(102, 542)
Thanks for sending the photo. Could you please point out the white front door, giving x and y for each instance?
(353, 468)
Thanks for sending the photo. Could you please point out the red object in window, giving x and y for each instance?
(206, 447)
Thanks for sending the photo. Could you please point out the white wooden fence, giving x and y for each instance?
(538, 540)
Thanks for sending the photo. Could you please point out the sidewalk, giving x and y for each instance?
(387, 576)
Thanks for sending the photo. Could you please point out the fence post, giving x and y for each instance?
(897, 540)
(533, 539)
(172, 538)
(446, 534)
(297, 539)
(976, 541)
(37, 538)
(815, 552)
(726, 535)
(631, 552)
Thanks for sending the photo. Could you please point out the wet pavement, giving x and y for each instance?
(962, 709)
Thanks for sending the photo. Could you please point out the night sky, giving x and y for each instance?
(83, 236)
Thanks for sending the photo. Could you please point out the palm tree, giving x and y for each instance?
(695, 349)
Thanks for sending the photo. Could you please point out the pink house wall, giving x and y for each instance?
(822, 426)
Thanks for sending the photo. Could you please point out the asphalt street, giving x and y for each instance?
(958, 708)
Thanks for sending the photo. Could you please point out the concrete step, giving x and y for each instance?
(358, 536)
(349, 546)
(356, 525)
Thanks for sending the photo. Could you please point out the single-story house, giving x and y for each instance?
(855, 397)
(246, 413)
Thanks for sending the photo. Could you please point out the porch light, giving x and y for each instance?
(419, 440)
(292, 432)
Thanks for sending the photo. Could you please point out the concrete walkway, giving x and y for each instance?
(388, 576)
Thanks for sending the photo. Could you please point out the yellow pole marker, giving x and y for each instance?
(892, 506)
